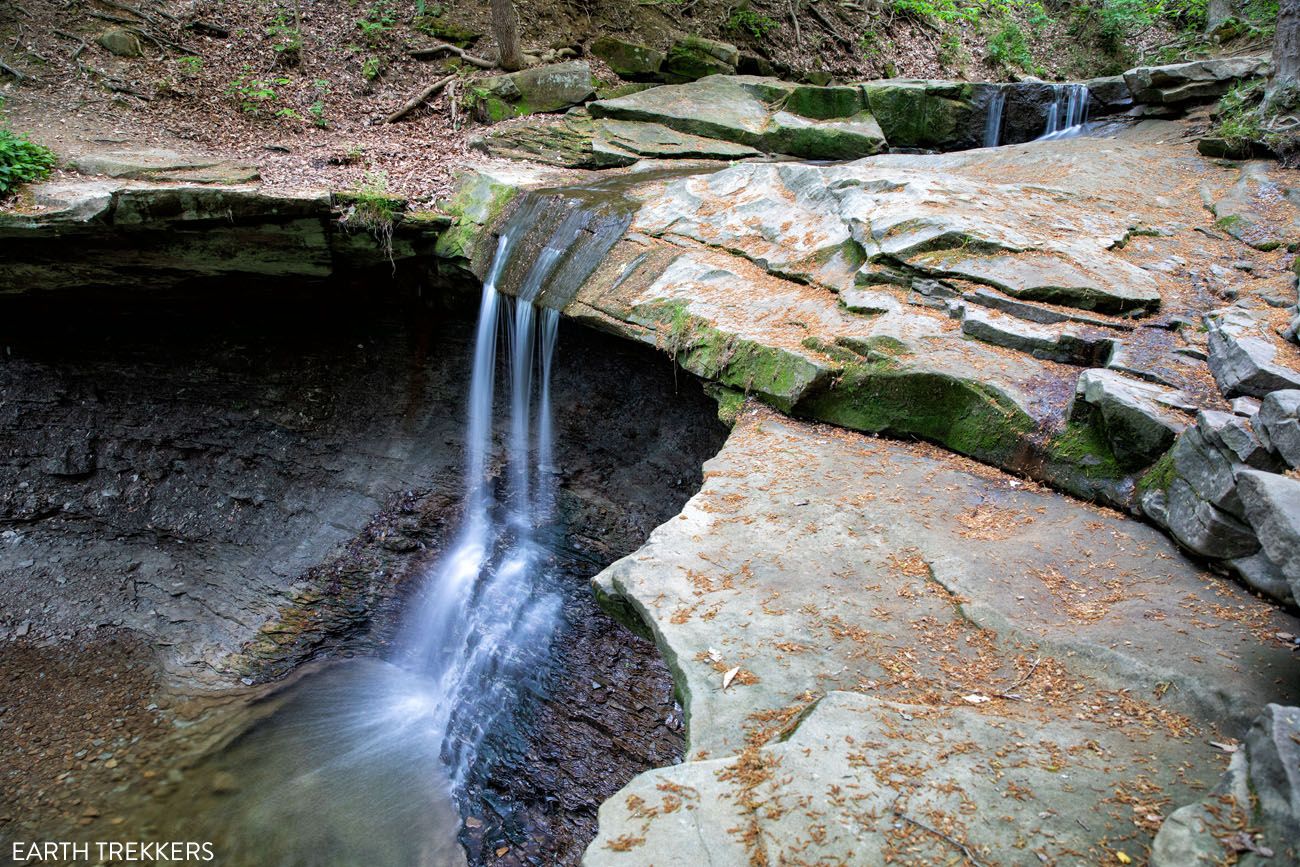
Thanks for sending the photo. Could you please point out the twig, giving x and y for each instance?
(21, 76)
(81, 43)
(1011, 692)
(965, 850)
(419, 100)
(434, 50)
(794, 19)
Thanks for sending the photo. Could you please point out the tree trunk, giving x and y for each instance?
(1217, 12)
(505, 27)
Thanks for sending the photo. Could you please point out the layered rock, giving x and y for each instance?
(1197, 81)
(868, 635)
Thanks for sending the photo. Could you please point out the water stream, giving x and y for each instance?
(993, 120)
(1068, 114)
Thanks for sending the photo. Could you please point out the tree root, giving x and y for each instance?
(419, 100)
(435, 50)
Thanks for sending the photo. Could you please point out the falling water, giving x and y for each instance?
(1068, 113)
(993, 120)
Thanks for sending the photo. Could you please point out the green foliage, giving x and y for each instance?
(1240, 124)
(254, 95)
(951, 51)
(378, 20)
(746, 21)
(373, 209)
(189, 65)
(317, 109)
(1113, 24)
(21, 161)
(1009, 48)
(286, 39)
(371, 68)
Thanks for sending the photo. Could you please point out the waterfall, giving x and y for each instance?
(993, 120)
(482, 629)
(1068, 113)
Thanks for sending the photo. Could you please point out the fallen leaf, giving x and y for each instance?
(1227, 748)
(1123, 858)
(730, 676)
(714, 656)
(975, 699)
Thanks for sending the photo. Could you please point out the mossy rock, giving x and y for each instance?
(826, 103)
(478, 201)
(922, 114)
(694, 57)
(461, 37)
(968, 417)
(629, 60)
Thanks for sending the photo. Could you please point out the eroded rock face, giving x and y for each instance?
(1197, 81)
(1253, 814)
(847, 614)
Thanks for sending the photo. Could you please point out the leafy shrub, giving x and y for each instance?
(21, 161)
(746, 20)
(254, 94)
(189, 65)
(371, 68)
(286, 40)
(379, 19)
(1009, 48)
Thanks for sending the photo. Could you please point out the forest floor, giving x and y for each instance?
(302, 90)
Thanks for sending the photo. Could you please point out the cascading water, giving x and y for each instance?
(993, 120)
(1068, 112)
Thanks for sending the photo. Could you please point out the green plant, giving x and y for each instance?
(317, 112)
(287, 113)
(951, 52)
(1008, 47)
(254, 94)
(371, 68)
(746, 20)
(378, 20)
(286, 40)
(373, 209)
(21, 161)
(189, 65)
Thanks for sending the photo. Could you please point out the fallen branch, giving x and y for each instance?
(429, 92)
(965, 850)
(435, 50)
(21, 76)
(794, 19)
(81, 43)
(830, 27)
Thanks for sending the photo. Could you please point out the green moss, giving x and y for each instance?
(1082, 446)
(730, 402)
(1160, 476)
(826, 103)
(478, 202)
(966, 416)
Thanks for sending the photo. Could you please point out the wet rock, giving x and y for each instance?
(1140, 420)
(629, 60)
(1242, 356)
(1272, 505)
(1197, 81)
(1240, 210)
(1278, 423)
(695, 57)
(121, 42)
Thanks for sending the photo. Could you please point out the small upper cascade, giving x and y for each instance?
(993, 120)
(1068, 113)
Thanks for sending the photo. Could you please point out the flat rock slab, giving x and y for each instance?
(816, 562)
(156, 164)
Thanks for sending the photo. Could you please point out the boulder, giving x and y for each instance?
(120, 42)
(656, 141)
(1236, 436)
(1197, 81)
(1260, 793)
(760, 113)
(1198, 525)
(1278, 422)
(1272, 505)
(629, 60)
(1108, 94)
(1140, 420)
(694, 57)
(553, 87)
(1242, 357)
(1261, 573)
(932, 115)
